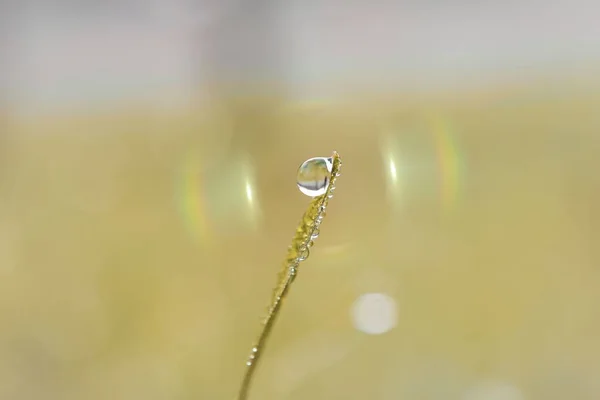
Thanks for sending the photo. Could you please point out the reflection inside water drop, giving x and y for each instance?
(314, 176)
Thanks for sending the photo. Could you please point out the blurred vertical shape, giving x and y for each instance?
(244, 66)
(244, 49)
(7, 37)
(8, 24)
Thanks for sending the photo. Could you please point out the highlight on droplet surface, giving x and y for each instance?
(314, 176)
(374, 313)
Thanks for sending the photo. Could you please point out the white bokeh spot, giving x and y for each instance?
(374, 313)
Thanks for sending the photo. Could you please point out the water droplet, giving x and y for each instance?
(304, 253)
(314, 176)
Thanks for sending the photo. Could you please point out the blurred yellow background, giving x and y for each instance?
(137, 260)
(140, 238)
